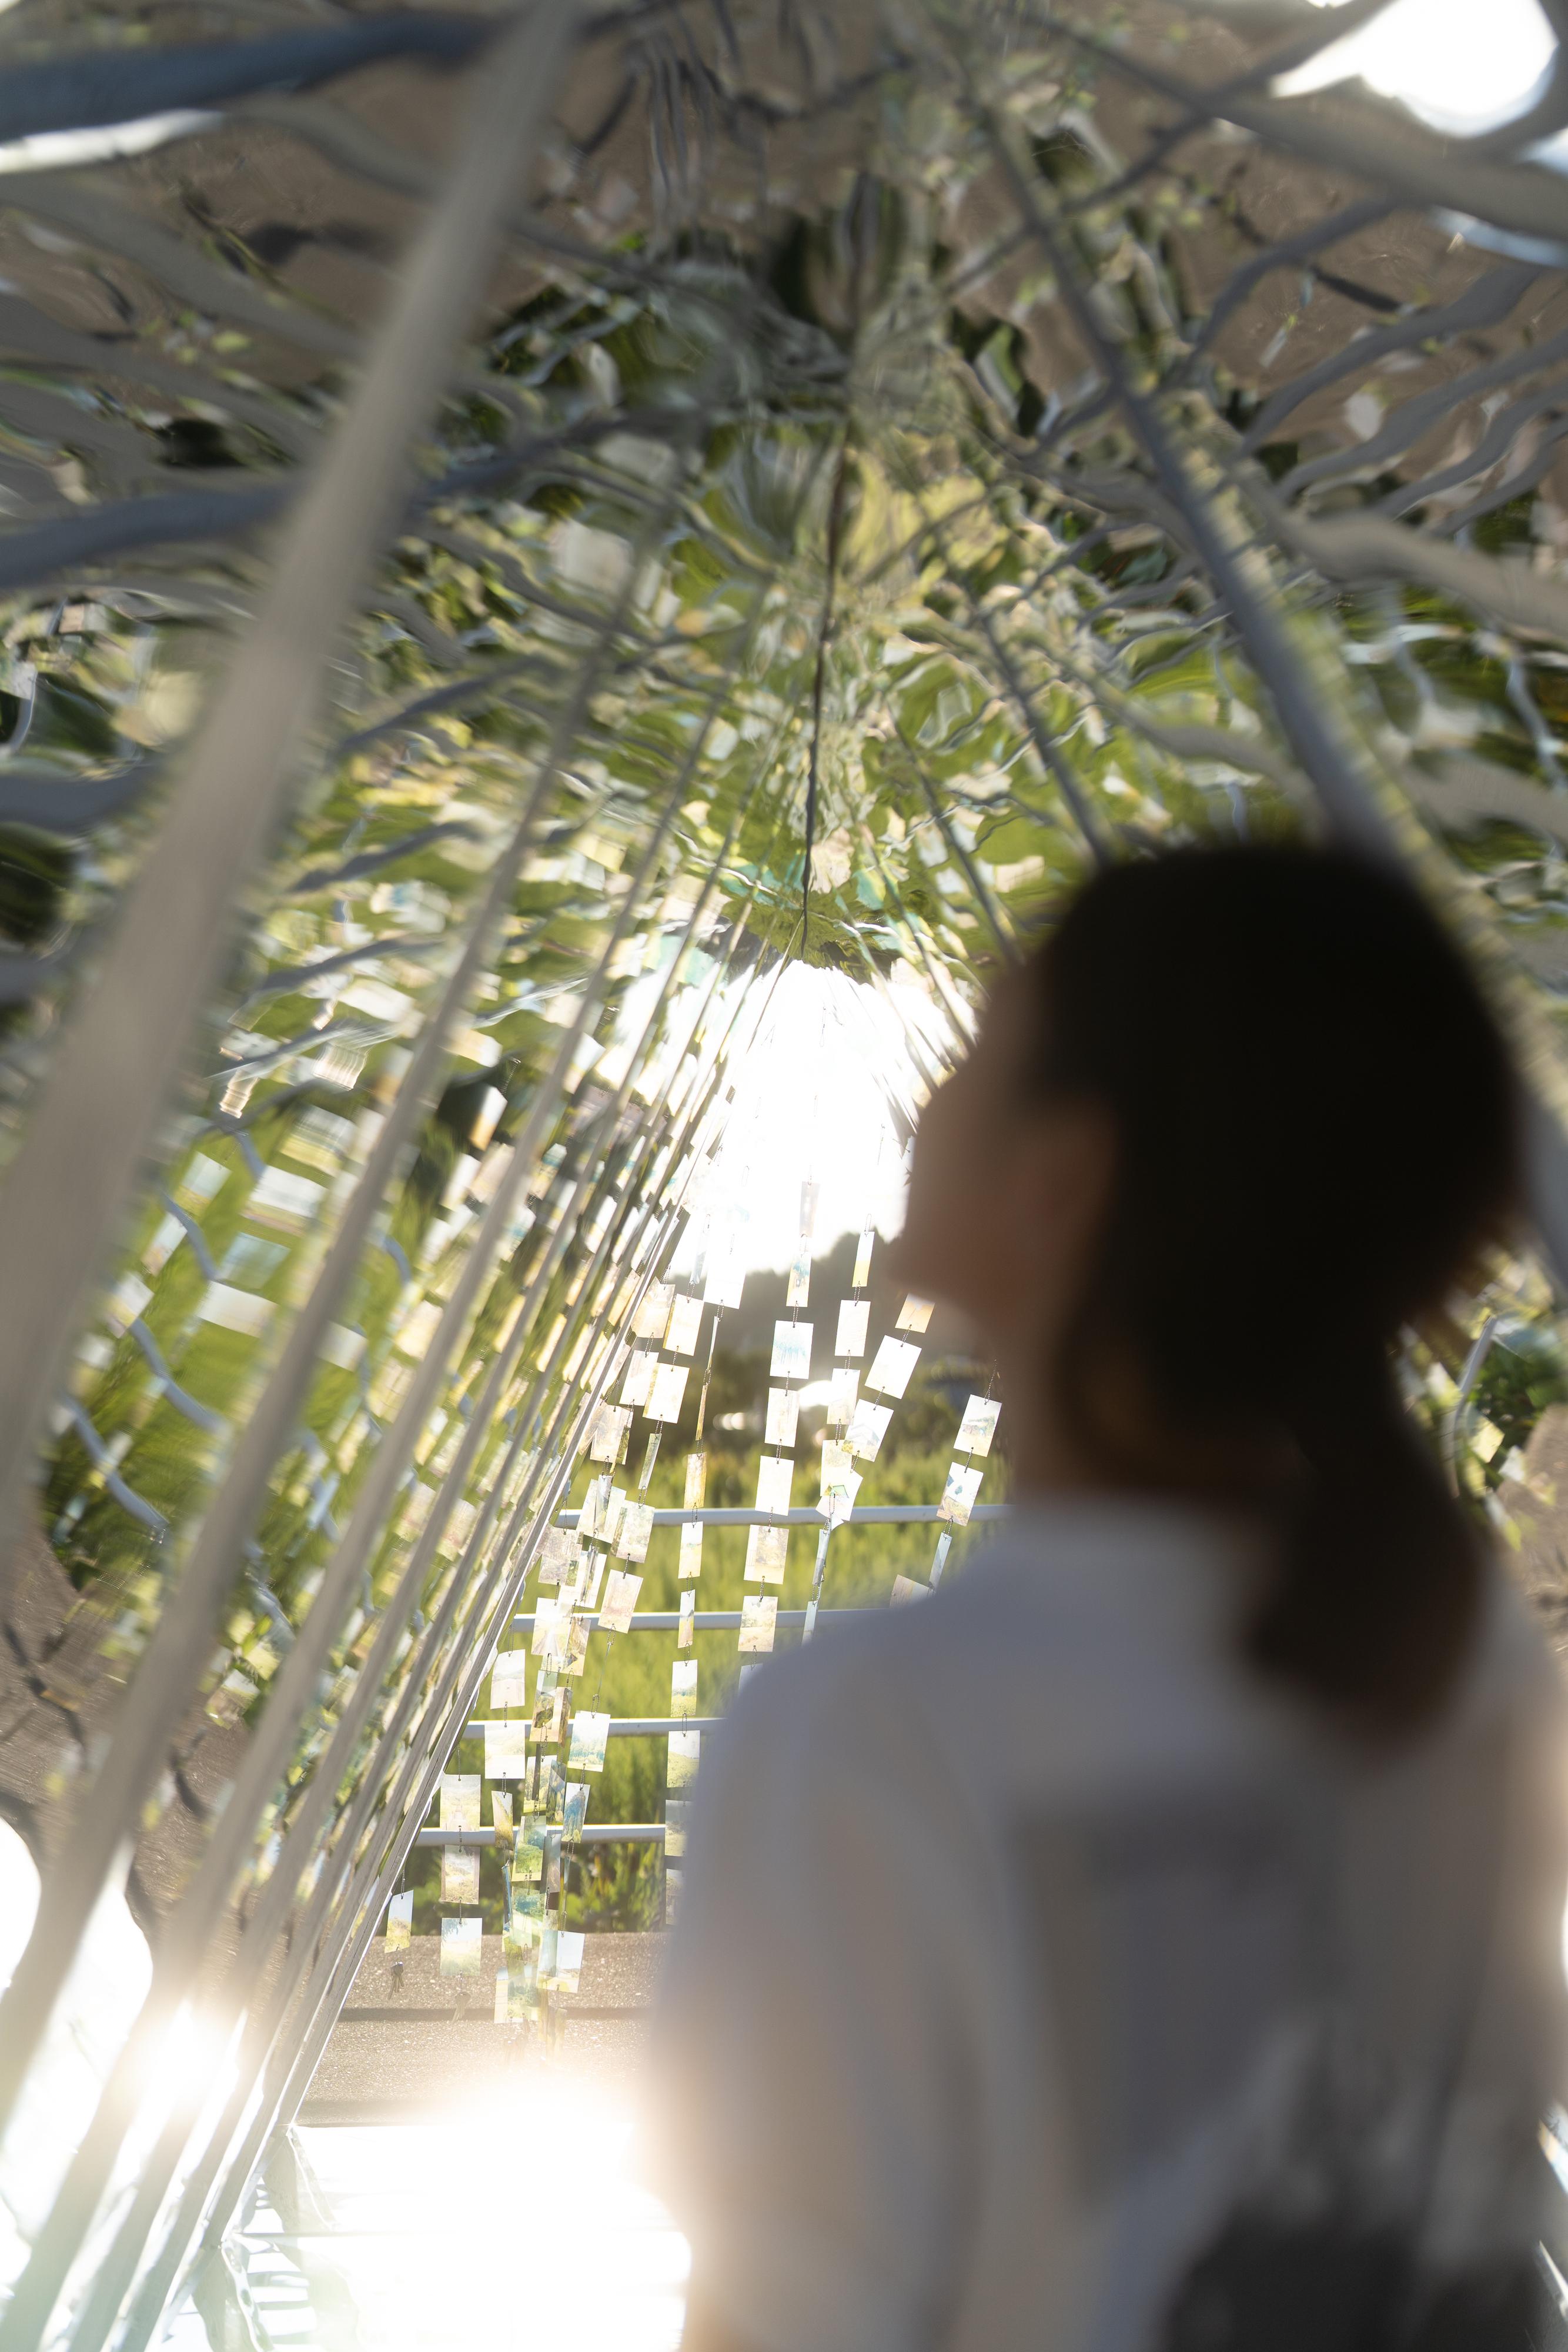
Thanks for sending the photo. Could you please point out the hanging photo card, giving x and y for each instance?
(766, 1550)
(775, 1483)
(843, 1393)
(399, 1921)
(590, 1733)
(574, 1650)
(639, 1378)
(547, 1615)
(697, 1480)
(726, 1280)
(653, 1311)
(549, 1707)
(979, 1425)
(459, 1801)
(501, 1817)
(462, 1947)
(811, 1193)
(691, 1551)
(685, 1752)
(510, 1678)
(915, 1314)
(459, 1875)
(792, 1351)
(959, 1494)
(862, 1273)
(686, 1629)
(595, 1503)
(506, 1750)
(868, 1427)
(894, 1362)
(943, 1546)
(676, 1811)
(855, 1317)
(573, 1811)
(783, 1416)
(684, 1328)
(797, 1288)
(633, 1535)
(557, 1553)
(840, 1483)
(683, 1689)
(904, 1588)
(610, 1516)
(528, 1853)
(560, 1960)
(758, 1614)
(619, 1600)
(668, 1392)
(607, 1434)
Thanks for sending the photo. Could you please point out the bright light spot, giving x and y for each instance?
(425, 2219)
(1458, 65)
(59, 150)
(827, 1091)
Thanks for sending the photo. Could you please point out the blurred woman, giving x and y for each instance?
(1153, 1942)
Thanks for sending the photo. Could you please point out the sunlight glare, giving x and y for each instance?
(1459, 67)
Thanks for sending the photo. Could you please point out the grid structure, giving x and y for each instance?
(516, 524)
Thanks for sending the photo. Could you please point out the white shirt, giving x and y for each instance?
(1043, 1978)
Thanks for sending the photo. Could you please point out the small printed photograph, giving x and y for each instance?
(636, 1528)
(653, 1311)
(759, 1615)
(894, 1362)
(691, 1551)
(501, 1811)
(868, 1427)
(506, 1750)
(766, 1553)
(528, 1854)
(608, 1435)
(510, 1679)
(568, 1949)
(575, 1655)
(462, 1948)
(915, 1314)
(685, 1753)
(979, 1425)
(459, 1875)
(558, 1554)
(798, 1289)
(399, 1921)
(862, 1273)
(855, 1317)
(684, 1327)
(667, 1393)
(844, 1395)
(686, 1630)
(459, 1794)
(959, 1494)
(684, 1688)
(775, 1483)
(590, 1733)
(574, 1811)
(904, 1588)
(783, 1417)
(595, 1503)
(697, 1479)
(639, 1376)
(619, 1600)
(676, 1810)
(549, 1707)
(547, 1615)
(610, 1517)
(792, 1351)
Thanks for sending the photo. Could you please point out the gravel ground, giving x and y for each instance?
(374, 2066)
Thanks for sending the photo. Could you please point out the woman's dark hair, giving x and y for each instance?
(1317, 1131)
